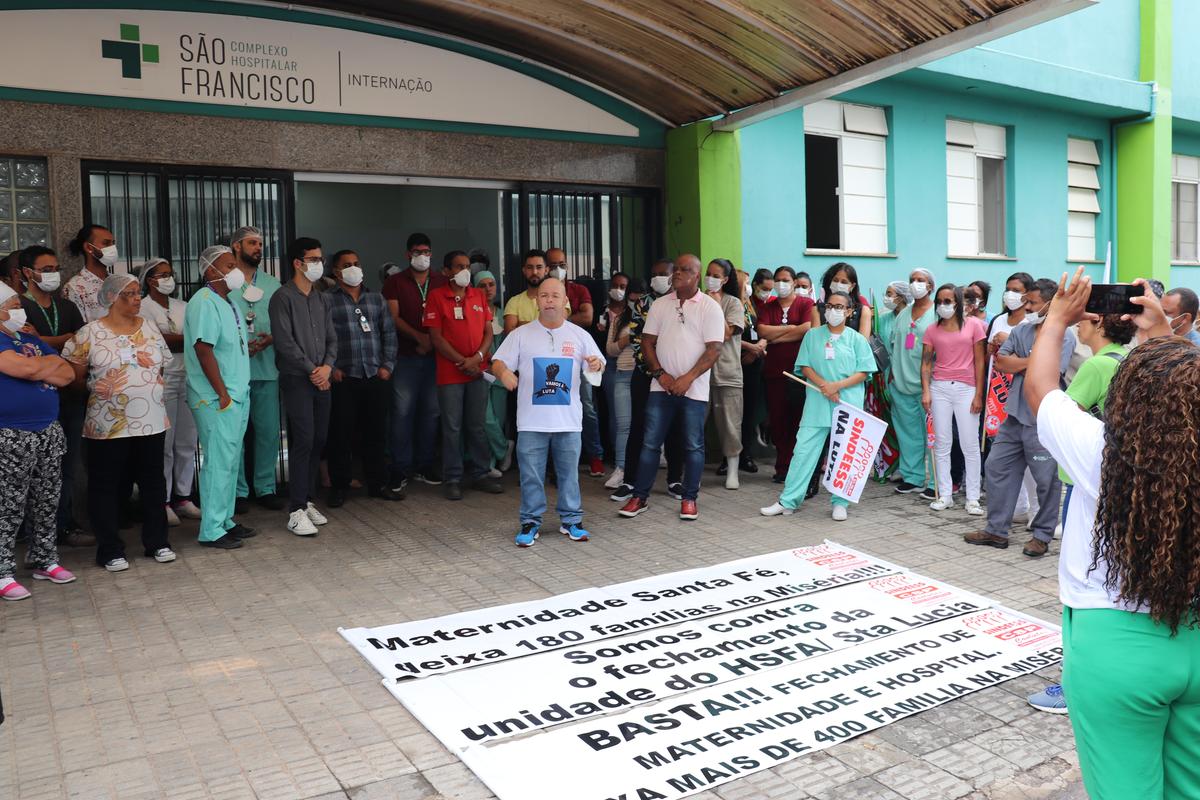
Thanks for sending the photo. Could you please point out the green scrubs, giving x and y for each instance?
(908, 415)
(851, 353)
(213, 320)
(264, 390)
(497, 409)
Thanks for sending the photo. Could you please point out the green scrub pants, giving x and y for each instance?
(497, 410)
(908, 418)
(221, 435)
(1133, 691)
(264, 415)
(810, 446)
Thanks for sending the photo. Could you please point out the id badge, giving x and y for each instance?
(829, 354)
(126, 355)
(458, 312)
(366, 326)
(910, 341)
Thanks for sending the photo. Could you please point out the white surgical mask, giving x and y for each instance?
(16, 320)
(660, 284)
(783, 288)
(420, 263)
(558, 272)
(352, 276)
(763, 294)
(838, 286)
(919, 289)
(235, 279)
(462, 278)
(889, 303)
(945, 310)
(1033, 317)
(1013, 300)
(835, 316)
(616, 295)
(49, 281)
(313, 270)
(712, 284)
(167, 285)
(108, 255)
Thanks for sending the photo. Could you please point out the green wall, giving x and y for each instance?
(704, 193)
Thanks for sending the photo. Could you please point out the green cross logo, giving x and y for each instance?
(130, 51)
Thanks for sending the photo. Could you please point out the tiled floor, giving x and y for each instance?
(222, 675)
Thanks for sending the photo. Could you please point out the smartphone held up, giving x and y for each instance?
(1114, 298)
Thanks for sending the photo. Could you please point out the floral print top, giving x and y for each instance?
(124, 379)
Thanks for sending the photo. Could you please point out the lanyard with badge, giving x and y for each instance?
(458, 309)
(363, 322)
(52, 323)
(829, 352)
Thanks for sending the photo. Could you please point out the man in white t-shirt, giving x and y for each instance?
(680, 342)
(544, 361)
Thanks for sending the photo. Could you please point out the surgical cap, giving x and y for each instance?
(927, 274)
(245, 232)
(482, 275)
(145, 269)
(210, 255)
(902, 288)
(113, 285)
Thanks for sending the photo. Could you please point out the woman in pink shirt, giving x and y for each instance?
(952, 386)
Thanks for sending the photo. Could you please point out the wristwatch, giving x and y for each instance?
(657, 373)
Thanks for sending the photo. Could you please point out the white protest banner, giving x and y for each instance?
(854, 439)
(472, 638)
(679, 746)
(575, 683)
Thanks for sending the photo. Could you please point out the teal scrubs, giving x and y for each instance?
(908, 415)
(885, 321)
(851, 353)
(497, 407)
(264, 390)
(213, 320)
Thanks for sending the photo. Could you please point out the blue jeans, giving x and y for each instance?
(662, 410)
(620, 409)
(592, 447)
(533, 448)
(414, 414)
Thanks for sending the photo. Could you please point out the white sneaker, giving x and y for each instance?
(172, 519)
(507, 462)
(839, 514)
(974, 508)
(164, 555)
(188, 510)
(615, 479)
(777, 510)
(942, 503)
(314, 516)
(117, 565)
(495, 474)
(300, 524)
(731, 473)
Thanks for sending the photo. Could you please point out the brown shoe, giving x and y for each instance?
(1035, 548)
(987, 539)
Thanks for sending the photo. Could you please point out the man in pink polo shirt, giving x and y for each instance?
(681, 342)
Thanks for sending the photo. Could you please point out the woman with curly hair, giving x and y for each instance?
(1129, 572)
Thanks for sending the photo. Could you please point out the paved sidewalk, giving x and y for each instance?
(222, 675)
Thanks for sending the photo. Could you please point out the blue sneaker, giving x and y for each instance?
(528, 535)
(575, 532)
(1050, 699)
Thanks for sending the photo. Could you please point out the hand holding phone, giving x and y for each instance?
(1115, 298)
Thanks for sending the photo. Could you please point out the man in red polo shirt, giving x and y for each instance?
(459, 320)
(579, 300)
(414, 390)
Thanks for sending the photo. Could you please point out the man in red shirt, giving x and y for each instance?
(414, 390)
(582, 314)
(459, 320)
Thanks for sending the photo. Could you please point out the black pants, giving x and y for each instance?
(752, 394)
(113, 464)
(308, 424)
(359, 407)
(639, 390)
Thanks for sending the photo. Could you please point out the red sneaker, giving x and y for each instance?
(635, 506)
(596, 468)
(687, 510)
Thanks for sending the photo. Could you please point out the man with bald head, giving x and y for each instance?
(544, 361)
(680, 343)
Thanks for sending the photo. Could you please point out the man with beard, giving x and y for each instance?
(252, 300)
(523, 308)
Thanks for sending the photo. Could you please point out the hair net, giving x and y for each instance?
(210, 255)
(927, 274)
(482, 275)
(143, 272)
(901, 288)
(113, 285)
(245, 232)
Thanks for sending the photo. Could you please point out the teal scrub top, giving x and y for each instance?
(884, 322)
(851, 354)
(906, 363)
(211, 319)
(262, 365)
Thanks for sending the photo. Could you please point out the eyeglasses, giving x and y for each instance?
(134, 295)
(558, 265)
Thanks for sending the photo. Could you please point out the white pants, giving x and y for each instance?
(179, 449)
(952, 404)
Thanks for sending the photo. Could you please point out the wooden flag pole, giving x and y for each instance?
(798, 379)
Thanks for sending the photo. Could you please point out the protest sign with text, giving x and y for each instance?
(854, 439)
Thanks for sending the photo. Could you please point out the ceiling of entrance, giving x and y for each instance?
(686, 60)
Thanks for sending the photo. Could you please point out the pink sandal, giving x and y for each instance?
(13, 591)
(54, 574)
